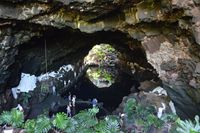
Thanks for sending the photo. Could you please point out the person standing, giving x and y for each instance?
(73, 100)
(121, 121)
(54, 90)
(70, 99)
(94, 102)
(69, 111)
(65, 84)
(19, 107)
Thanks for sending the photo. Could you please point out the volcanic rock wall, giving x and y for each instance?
(168, 31)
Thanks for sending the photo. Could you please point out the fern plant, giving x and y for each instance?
(188, 126)
(25, 98)
(86, 118)
(129, 108)
(13, 118)
(60, 121)
(83, 122)
(5, 118)
(110, 124)
(17, 118)
(30, 126)
(43, 124)
(71, 126)
(141, 116)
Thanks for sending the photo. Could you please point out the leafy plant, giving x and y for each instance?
(30, 126)
(129, 108)
(25, 97)
(169, 117)
(153, 120)
(44, 87)
(60, 121)
(43, 124)
(87, 119)
(140, 115)
(188, 126)
(83, 122)
(17, 118)
(5, 118)
(107, 126)
(71, 126)
(14, 118)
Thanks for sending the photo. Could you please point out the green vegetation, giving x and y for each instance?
(60, 121)
(87, 122)
(188, 126)
(102, 50)
(144, 117)
(43, 124)
(83, 122)
(14, 118)
(30, 126)
(25, 97)
(141, 116)
(100, 73)
(105, 57)
(44, 87)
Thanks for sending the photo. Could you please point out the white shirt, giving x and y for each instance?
(160, 110)
(73, 99)
(19, 107)
(54, 89)
(68, 109)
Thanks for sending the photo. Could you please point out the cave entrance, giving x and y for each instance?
(104, 79)
(116, 58)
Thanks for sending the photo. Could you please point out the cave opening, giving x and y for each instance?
(68, 49)
(104, 79)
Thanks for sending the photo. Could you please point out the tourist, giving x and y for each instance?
(54, 90)
(69, 111)
(73, 100)
(121, 116)
(15, 92)
(70, 99)
(94, 102)
(51, 83)
(65, 84)
(19, 107)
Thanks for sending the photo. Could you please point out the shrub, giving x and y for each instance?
(43, 124)
(129, 108)
(110, 124)
(187, 126)
(83, 122)
(30, 126)
(141, 116)
(60, 121)
(5, 118)
(13, 118)
(86, 118)
(17, 118)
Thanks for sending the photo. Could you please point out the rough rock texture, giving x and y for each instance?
(105, 58)
(169, 32)
(146, 99)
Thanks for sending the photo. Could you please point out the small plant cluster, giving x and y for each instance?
(102, 54)
(14, 118)
(187, 126)
(83, 122)
(145, 117)
(102, 50)
(141, 116)
(100, 73)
